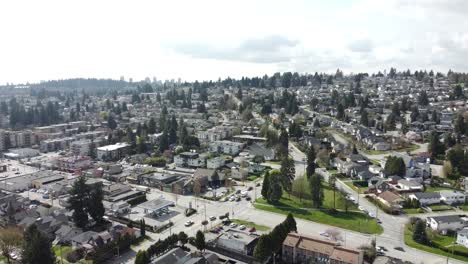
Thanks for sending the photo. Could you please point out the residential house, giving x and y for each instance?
(426, 198)
(462, 237)
(215, 163)
(189, 159)
(409, 186)
(446, 222)
(65, 233)
(452, 197)
(390, 199)
(85, 240)
(236, 241)
(302, 249)
(382, 146)
(257, 149)
(378, 185)
(112, 152)
(179, 256)
(206, 175)
(226, 147)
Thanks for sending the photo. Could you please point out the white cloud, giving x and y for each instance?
(207, 39)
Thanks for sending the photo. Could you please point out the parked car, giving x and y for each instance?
(242, 227)
(212, 218)
(233, 225)
(250, 188)
(399, 249)
(189, 223)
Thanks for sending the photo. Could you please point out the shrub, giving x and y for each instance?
(75, 255)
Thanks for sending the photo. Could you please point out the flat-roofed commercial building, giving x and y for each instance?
(303, 249)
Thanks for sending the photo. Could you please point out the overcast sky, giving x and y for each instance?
(42, 40)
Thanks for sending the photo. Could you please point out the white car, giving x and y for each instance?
(233, 225)
(361, 208)
(242, 227)
(371, 215)
(189, 223)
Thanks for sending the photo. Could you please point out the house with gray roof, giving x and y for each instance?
(445, 223)
(426, 198)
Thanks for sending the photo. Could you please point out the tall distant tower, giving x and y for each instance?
(155, 80)
(122, 78)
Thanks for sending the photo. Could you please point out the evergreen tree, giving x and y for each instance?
(142, 257)
(355, 150)
(316, 190)
(395, 166)
(262, 249)
(340, 112)
(200, 241)
(78, 202)
(460, 126)
(151, 126)
(287, 174)
(458, 92)
(422, 99)
(435, 146)
(364, 118)
(290, 223)
(310, 170)
(266, 185)
(164, 143)
(111, 122)
(283, 144)
(92, 149)
(183, 238)
(419, 232)
(142, 227)
(95, 207)
(37, 247)
(275, 191)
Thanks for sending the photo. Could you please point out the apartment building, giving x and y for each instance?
(226, 147)
(298, 248)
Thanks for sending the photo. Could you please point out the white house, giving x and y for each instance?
(446, 222)
(112, 152)
(452, 197)
(409, 186)
(189, 159)
(226, 147)
(426, 198)
(462, 237)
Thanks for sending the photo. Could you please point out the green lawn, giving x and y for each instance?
(252, 177)
(440, 207)
(464, 207)
(305, 202)
(413, 210)
(61, 249)
(275, 162)
(351, 220)
(439, 239)
(249, 224)
(355, 221)
(357, 189)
